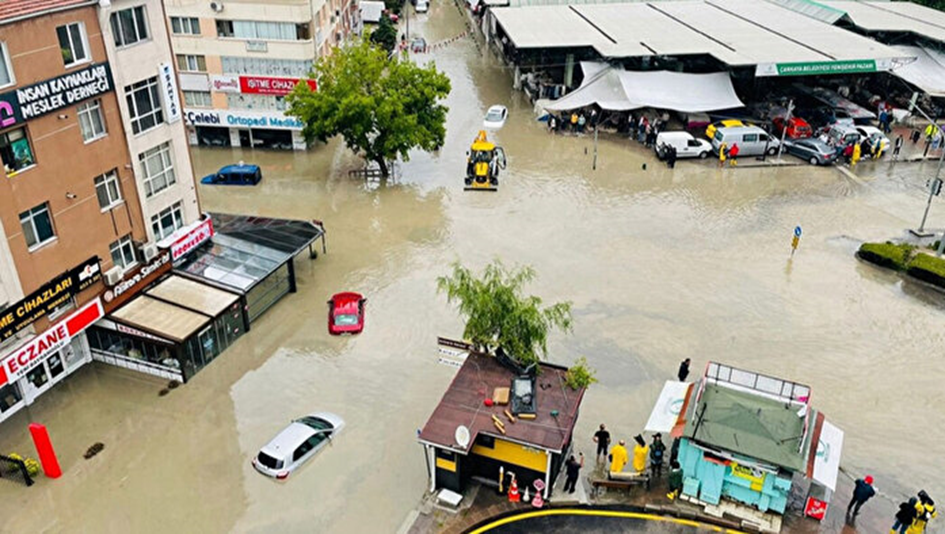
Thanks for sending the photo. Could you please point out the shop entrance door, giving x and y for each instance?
(43, 376)
(246, 139)
(208, 344)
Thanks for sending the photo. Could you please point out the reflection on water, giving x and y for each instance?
(660, 266)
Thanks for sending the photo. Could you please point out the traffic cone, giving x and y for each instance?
(538, 502)
(513, 491)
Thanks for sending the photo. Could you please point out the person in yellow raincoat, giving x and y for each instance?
(618, 457)
(925, 512)
(722, 149)
(857, 153)
(640, 452)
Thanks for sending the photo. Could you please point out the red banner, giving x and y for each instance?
(268, 85)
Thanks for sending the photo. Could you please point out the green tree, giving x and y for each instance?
(499, 316)
(385, 34)
(382, 106)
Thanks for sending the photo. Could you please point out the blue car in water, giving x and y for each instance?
(240, 174)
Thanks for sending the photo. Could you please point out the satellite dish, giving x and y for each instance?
(462, 436)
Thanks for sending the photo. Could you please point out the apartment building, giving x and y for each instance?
(139, 49)
(239, 58)
(96, 175)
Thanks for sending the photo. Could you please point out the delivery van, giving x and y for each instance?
(752, 140)
(685, 144)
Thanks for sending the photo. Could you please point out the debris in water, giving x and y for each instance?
(93, 450)
(173, 384)
(163, 392)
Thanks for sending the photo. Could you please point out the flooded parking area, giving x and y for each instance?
(660, 265)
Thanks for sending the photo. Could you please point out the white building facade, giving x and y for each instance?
(144, 69)
(238, 59)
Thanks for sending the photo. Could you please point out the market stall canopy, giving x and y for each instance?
(927, 72)
(668, 407)
(619, 90)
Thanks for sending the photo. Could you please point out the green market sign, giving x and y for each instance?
(819, 68)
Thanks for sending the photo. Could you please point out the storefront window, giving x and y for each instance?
(268, 292)
(9, 396)
(117, 343)
(38, 376)
(55, 365)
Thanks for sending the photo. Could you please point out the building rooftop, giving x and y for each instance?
(749, 424)
(15, 9)
(462, 404)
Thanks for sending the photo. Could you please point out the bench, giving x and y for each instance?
(620, 481)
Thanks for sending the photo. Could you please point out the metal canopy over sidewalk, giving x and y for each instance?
(893, 17)
(736, 32)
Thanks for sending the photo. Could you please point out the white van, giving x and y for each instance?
(422, 6)
(686, 145)
(752, 140)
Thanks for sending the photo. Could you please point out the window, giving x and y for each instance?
(750, 138)
(144, 102)
(274, 67)
(260, 102)
(191, 63)
(166, 222)
(91, 120)
(158, 169)
(200, 99)
(270, 31)
(185, 25)
(123, 252)
(37, 226)
(15, 151)
(108, 190)
(6, 70)
(129, 26)
(72, 43)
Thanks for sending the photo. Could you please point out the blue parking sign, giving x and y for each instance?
(797, 231)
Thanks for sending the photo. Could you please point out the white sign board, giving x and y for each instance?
(171, 96)
(827, 457)
(225, 84)
(668, 406)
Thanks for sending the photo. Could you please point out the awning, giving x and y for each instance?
(826, 463)
(160, 318)
(927, 72)
(194, 295)
(668, 407)
(619, 90)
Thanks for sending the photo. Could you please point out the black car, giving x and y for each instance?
(812, 150)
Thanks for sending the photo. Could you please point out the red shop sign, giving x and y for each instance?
(28, 356)
(269, 85)
(192, 239)
(815, 508)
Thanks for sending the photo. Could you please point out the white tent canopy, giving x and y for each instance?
(667, 409)
(927, 72)
(618, 90)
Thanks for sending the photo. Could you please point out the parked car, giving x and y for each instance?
(796, 127)
(422, 6)
(826, 116)
(752, 140)
(297, 443)
(346, 313)
(873, 133)
(727, 123)
(815, 151)
(841, 135)
(495, 117)
(240, 174)
(686, 145)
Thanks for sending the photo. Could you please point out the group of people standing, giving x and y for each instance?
(576, 122)
(913, 515)
(643, 129)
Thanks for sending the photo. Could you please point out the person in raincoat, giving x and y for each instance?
(722, 149)
(733, 155)
(618, 457)
(857, 152)
(904, 517)
(640, 452)
(925, 512)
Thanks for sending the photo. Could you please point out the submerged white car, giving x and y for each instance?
(297, 443)
(872, 133)
(495, 117)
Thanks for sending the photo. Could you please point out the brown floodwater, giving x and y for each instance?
(659, 265)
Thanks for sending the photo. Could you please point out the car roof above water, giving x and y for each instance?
(288, 440)
(238, 169)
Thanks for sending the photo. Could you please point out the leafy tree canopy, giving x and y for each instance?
(382, 106)
(385, 34)
(498, 315)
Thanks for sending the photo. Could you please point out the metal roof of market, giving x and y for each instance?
(462, 404)
(894, 17)
(736, 32)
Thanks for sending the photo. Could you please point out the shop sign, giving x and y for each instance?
(135, 280)
(269, 85)
(51, 95)
(817, 68)
(50, 296)
(108, 324)
(195, 236)
(171, 96)
(815, 508)
(28, 356)
(225, 84)
(227, 119)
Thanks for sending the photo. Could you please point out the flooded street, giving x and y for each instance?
(659, 265)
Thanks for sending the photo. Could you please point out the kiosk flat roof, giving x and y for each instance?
(194, 295)
(736, 32)
(158, 317)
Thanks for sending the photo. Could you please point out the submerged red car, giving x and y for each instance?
(797, 128)
(346, 313)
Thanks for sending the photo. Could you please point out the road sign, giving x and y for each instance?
(797, 231)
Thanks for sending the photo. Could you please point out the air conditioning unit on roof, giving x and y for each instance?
(113, 276)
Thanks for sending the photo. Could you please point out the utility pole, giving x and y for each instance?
(938, 171)
(595, 146)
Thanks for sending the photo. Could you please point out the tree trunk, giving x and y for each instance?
(382, 165)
